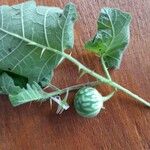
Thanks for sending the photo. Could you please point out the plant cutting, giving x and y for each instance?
(33, 41)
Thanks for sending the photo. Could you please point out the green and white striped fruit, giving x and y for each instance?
(88, 102)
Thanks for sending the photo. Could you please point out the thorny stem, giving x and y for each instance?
(53, 97)
(81, 67)
(107, 81)
(51, 86)
(62, 105)
(74, 87)
(101, 78)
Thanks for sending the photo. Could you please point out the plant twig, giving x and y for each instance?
(80, 66)
(74, 87)
(101, 78)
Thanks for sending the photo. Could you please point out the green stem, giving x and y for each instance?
(72, 88)
(105, 69)
(81, 66)
(94, 74)
(101, 78)
(105, 80)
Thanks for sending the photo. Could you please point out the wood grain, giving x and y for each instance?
(123, 125)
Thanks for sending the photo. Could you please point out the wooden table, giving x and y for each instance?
(123, 125)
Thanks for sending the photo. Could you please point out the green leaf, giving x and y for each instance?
(31, 93)
(20, 96)
(112, 36)
(22, 25)
(19, 80)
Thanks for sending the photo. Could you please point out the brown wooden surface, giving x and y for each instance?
(123, 125)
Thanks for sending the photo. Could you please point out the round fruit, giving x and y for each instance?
(88, 102)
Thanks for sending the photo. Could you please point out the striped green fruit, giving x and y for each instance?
(88, 102)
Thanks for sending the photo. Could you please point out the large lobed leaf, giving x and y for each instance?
(23, 66)
(112, 36)
(48, 26)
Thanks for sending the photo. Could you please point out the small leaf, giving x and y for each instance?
(20, 96)
(112, 36)
(31, 93)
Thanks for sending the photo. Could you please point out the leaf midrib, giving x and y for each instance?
(113, 33)
(23, 38)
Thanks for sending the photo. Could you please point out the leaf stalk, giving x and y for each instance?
(105, 68)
